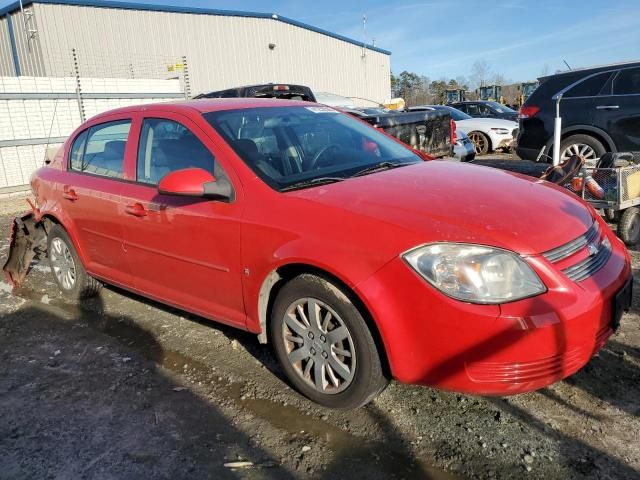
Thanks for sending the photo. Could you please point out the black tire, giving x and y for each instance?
(612, 216)
(581, 139)
(629, 226)
(83, 285)
(368, 378)
(481, 143)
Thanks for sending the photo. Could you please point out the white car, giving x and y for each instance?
(487, 134)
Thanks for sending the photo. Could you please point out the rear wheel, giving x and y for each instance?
(67, 269)
(324, 344)
(480, 142)
(583, 145)
(629, 226)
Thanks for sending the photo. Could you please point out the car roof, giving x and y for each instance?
(594, 69)
(206, 105)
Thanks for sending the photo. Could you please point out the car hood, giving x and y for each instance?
(445, 201)
(486, 123)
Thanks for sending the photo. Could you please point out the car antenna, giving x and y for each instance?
(53, 117)
(565, 62)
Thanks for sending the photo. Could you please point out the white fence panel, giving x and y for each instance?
(36, 112)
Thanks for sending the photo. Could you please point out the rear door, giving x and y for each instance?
(618, 111)
(184, 251)
(90, 191)
(579, 104)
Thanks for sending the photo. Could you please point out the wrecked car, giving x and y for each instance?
(429, 132)
(354, 257)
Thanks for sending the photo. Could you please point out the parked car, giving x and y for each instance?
(283, 91)
(600, 110)
(487, 134)
(355, 258)
(482, 109)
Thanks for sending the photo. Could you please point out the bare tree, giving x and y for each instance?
(499, 79)
(480, 72)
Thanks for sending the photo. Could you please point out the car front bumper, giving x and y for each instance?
(517, 347)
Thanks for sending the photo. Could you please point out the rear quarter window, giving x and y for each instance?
(589, 87)
(627, 82)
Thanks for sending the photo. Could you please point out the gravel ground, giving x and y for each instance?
(121, 387)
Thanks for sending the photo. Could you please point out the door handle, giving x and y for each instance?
(137, 210)
(607, 107)
(69, 193)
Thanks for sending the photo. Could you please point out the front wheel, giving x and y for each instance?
(68, 272)
(324, 344)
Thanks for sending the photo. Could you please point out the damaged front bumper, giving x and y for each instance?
(28, 240)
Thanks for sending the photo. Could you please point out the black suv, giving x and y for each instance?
(485, 109)
(600, 111)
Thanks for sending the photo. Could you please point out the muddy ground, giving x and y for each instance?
(121, 387)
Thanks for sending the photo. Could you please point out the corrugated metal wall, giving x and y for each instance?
(222, 51)
(28, 47)
(6, 58)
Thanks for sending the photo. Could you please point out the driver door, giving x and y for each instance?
(184, 251)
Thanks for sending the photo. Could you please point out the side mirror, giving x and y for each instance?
(195, 182)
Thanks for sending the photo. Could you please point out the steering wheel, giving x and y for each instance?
(321, 152)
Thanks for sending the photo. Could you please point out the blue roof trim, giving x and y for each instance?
(195, 10)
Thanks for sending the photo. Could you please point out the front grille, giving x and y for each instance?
(599, 251)
(573, 246)
(590, 265)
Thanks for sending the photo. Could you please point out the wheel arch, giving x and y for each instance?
(50, 218)
(278, 277)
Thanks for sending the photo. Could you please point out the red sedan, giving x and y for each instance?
(358, 260)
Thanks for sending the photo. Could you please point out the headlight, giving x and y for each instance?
(475, 273)
(500, 131)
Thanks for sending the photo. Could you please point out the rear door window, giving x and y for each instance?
(590, 87)
(100, 150)
(627, 82)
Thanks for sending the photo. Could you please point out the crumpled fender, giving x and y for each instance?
(28, 239)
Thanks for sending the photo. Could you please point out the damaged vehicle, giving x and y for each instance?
(430, 132)
(354, 257)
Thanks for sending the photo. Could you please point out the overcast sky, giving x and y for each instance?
(442, 38)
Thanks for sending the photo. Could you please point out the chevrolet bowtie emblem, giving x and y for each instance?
(592, 248)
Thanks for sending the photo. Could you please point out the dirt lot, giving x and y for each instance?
(121, 387)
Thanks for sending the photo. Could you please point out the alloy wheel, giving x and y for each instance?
(64, 268)
(581, 149)
(479, 142)
(319, 345)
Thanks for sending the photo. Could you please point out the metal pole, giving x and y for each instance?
(76, 70)
(557, 130)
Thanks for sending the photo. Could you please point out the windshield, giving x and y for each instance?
(290, 146)
(498, 107)
(457, 114)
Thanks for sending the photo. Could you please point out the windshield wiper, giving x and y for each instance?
(311, 183)
(378, 167)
